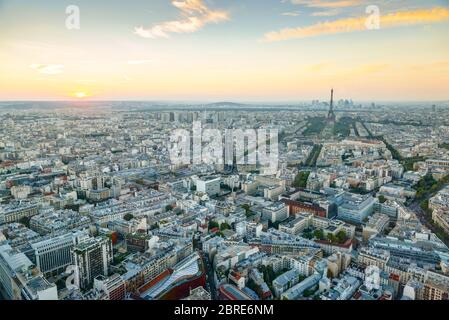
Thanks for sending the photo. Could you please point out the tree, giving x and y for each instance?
(307, 234)
(425, 185)
(308, 293)
(341, 236)
(168, 207)
(318, 234)
(301, 179)
(331, 237)
(128, 217)
(213, 224)
(268, 274)
(248, 211)
(247, 207)
(225, 226)
(382, 199)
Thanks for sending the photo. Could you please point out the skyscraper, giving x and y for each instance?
(92, 258)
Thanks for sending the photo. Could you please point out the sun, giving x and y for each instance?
(80, 95)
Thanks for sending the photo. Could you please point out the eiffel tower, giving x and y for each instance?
(331, 114)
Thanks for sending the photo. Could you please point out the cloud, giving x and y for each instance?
(194, 16)
(327, 8)
(327, 4)
(400, 18)
(291, 13)
(137, 62)
(327, 13)
(48, 68)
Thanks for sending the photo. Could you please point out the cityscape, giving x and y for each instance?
(117, 191)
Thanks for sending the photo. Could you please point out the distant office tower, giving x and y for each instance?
(92, 258)
(331, 114)
(165, 117)
(229, 151)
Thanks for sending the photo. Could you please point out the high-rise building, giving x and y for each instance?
(92, 259)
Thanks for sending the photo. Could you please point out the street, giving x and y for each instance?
(210, 277)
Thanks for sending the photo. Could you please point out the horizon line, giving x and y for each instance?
(251, 101)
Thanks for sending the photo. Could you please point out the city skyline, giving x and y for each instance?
(220, 51)
(201, 152)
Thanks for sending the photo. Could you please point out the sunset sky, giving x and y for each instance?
(239, 50)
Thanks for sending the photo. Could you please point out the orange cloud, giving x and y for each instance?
(194, 15)
(400, 18)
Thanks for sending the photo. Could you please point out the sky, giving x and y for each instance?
(215, 50)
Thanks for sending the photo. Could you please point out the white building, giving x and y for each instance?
(210, 186)
(355, 208)
(275, 212)
(55, 254)
(20, 192)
